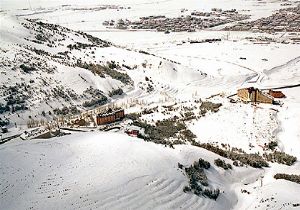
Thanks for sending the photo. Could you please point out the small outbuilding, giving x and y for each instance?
(133, 133)
(276, 94)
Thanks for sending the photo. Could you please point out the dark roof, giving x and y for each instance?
(110, 113)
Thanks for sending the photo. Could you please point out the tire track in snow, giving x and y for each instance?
(156, 195)
(287, 64)
(125, 195)
(142, 194)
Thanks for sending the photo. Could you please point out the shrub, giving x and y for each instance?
(126, 66)
(112, 65)
(164, 130)
(198, 182)
(203, 164)
(150, 88)
(123, 77)
(196, 175)
(209, 106)
(98, 101)
(114, 92)
(133, 116)
(4, 122)
(186, 189)
(144, 65)
(280, 157)
(188, 135)
(189, 116)
(149, 111)
(272, 145)
(180, 166)
(18, 108)
(3, 108)
(289, 177)
(144, 52)
(27, 69)
(212, 194)
(106, 70)
(65, 110)
(222, 164)
(253, 160)
(235, 163)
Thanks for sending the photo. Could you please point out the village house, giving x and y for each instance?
(254, 95)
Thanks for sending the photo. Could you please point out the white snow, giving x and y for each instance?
(101, 170)
(113, 171)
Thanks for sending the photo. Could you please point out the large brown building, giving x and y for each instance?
(110, 117)
(252, 94)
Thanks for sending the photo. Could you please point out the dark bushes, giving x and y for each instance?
(289, 177)
(133, 116)
(196, 175)
(112, 65)
(202, 164)
(27, 69)
(66, 110)
(188, 135)
(106, 70)
(123, 77)
(212, 194)
(186, 189)
(222, 164)
(281, 157)
(144, 52)
(272, 145)
(198, 182)
(78, 46)
(165, 130)
(253, 160)
(114, 92)
(4, 122)
(98, 101)
(209, 106)
(4, 108)
(18, 108)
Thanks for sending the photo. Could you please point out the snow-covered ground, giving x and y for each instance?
(103, 170)
(113, 171)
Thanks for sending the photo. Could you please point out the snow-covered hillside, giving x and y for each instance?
(112, 171)
(59, 62)
(47, 67)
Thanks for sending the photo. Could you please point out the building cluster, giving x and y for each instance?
(189, 23)
(101, 7)
(284, 20)
(255, 95)
(105, 117)
(287, 38)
